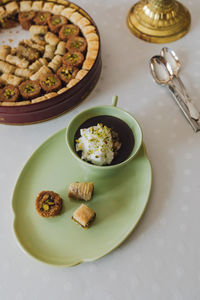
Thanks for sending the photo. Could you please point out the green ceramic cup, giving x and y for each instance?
(111, 110)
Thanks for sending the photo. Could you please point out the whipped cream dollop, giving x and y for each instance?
(96, 145)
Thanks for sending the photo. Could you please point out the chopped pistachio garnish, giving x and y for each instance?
(50, 81)
(76, 44)
(45, 207)
(56, 21)
(68, 31)
(29, 88)
(9, 93)
(67, 73)
(72, 57)
(96, 145)
(43, 17)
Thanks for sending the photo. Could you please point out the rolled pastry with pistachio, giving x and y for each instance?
(9, 93)
(26, 19)
(81, 190)
(29, 89)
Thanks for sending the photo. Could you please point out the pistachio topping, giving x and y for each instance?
(56, 21)
(50, 81)
(67, 73)
(42, 17)
(9, 93)
(45, 207)
(96, 145)
(76, 44)
(72, 57)
(68, 31)
(29, 88)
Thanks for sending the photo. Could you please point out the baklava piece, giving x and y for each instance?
(7, 19)
(55, 23)
(25, 5)
(50, 83)
(26, 73)
(81, 74)
(9, 93)
(75, 17)
(6, 68)
(42, 71)
(66, 73)
(28, 53)
(37, 5)
(68, 31)
(48, 6)
(60, 50)
(48, 204)
(49, 52)
(67, 12)
(26, 19)
(81, 190)
(29, 89)
(38, 64)
(11, 79)
(51, 39)
(84, 216)
(74, 59)
(4, 51)
(55, 63)
(76, 44)
(57, 9)
(12, 8)
(41, 18)
(17, 61)
(31, 44)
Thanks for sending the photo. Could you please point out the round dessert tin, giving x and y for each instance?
(21, 114)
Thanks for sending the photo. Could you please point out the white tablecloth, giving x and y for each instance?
(161, 258)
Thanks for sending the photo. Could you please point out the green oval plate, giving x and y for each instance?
(119, 202)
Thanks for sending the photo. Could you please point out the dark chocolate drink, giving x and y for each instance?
(125, 134)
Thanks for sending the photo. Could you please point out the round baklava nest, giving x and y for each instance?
(48, 204)
(63, 47)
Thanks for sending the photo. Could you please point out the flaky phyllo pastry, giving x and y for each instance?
(81, 190)
(63, 44)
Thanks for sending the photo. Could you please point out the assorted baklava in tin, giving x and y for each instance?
(53, 70)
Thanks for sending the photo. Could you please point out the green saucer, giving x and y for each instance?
(119, 202)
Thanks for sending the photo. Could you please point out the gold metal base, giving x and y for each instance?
(158, 23)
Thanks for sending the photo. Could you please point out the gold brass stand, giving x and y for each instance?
(159, 21)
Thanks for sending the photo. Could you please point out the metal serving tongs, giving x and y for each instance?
(171, 57)
(163, 74)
